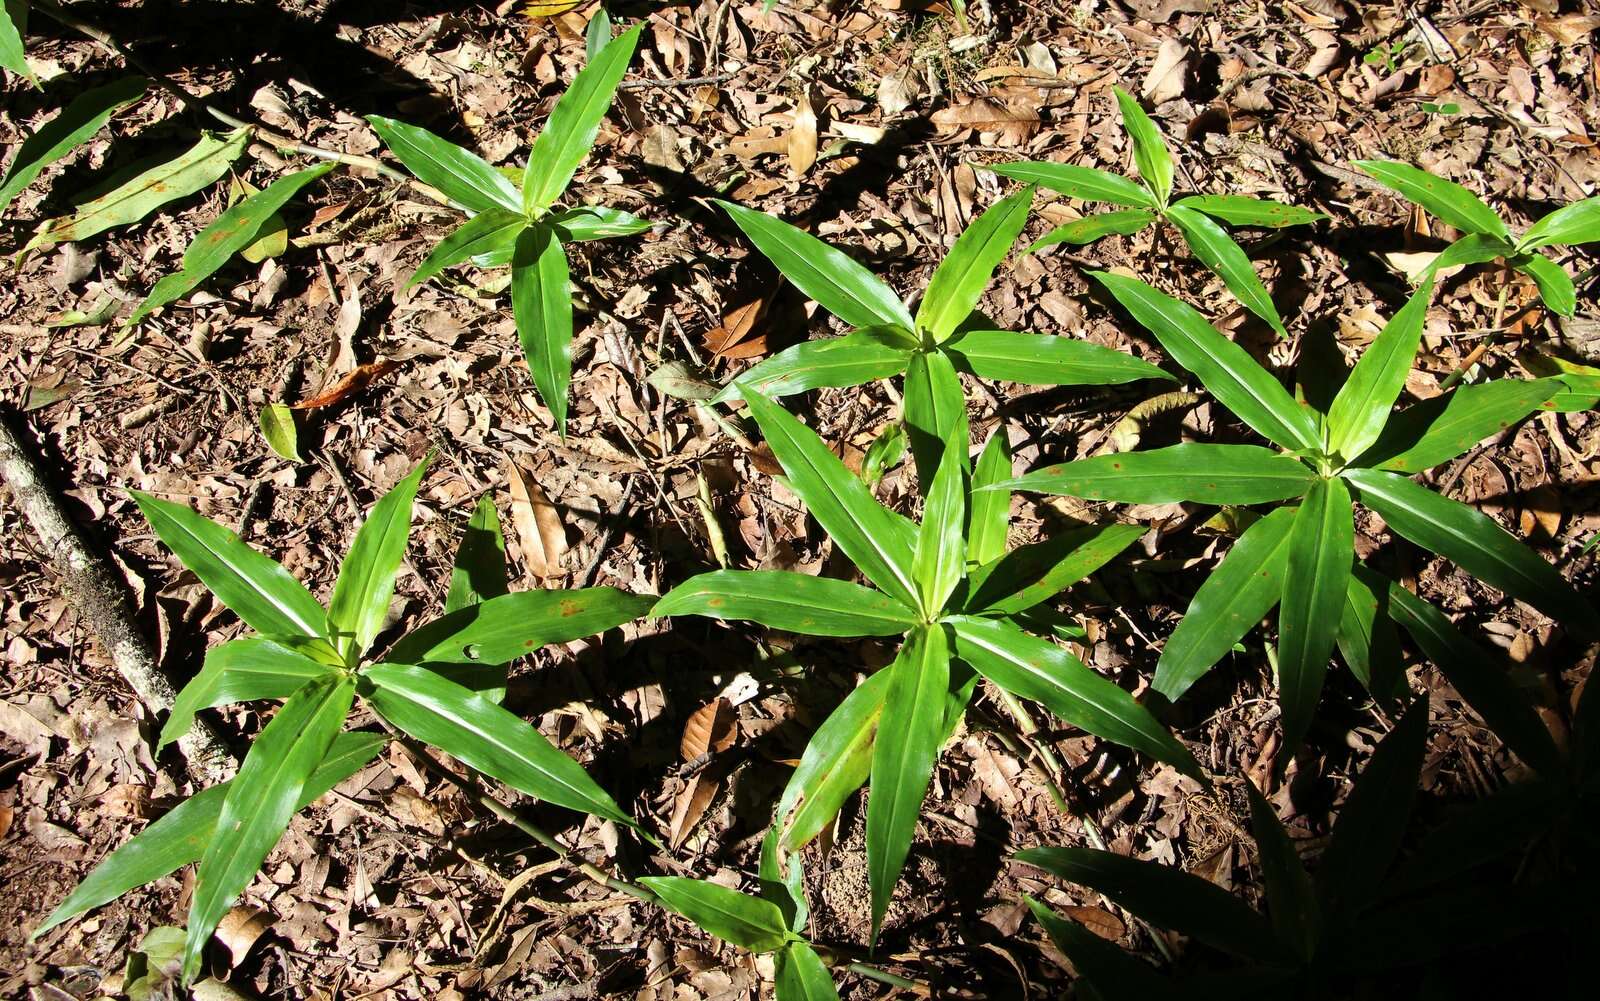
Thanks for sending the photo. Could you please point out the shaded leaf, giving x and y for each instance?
(1291, 896)
(84, 116)
(1114, 974)
(835, 763)
(1437, 430)
(504, 628)
(1034, 573)
(479, 572)
(935, 411)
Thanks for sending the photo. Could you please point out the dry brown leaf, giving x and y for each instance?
(710, 729)
(985, 114)
(802, 146)
(539, 529)
(239, 930)
(691, 805)
(736, 326)
(1541, 513)
(1165, 79)
(1102, 922)
(354, 382)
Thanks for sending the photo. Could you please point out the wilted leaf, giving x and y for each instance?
(539, 528)
(1165, 79)
(803, 136)
(736, 326)
(709, 730)
(354, 382)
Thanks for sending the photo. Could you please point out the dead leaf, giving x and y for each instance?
(660, 148)
(357, 380)
(898, 91)
(239, 930)
(711, 729)
(692, 804)
(539, 528)
(736, 326)
(1102, 922)
(1541, 513)
(802, 146)
(1165, 79)
(985, 114)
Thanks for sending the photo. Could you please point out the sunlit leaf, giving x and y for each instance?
(464, 177)
(1321, 547)
(958, 283)
(361, 595)
(1448, 200)
(1218, 251)
(743, 920)
(794, 602)
(575, 121)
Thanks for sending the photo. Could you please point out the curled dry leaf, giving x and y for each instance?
(357, 380)
(539, 528)
(729, 340)
(709, 730)
(1165, 79)
(239, 930)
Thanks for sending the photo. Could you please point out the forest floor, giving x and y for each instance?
(867, 123)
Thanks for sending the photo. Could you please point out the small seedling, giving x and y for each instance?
(1389, 55)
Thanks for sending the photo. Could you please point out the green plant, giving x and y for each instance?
(438, 683)
(959, 599)
(523, 228)
(1488, 238)
(946, 336)
(1300, 558)
(13, 25)
(1200, 218)
(1387, 54)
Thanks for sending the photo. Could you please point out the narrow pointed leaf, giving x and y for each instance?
(875, 539)
(911, 728)
(940, 560)
(1555, 286)
(836, 761)
(13, 23)
(541, 301)
(85, 115)
(798, 974)
(1566, 226)
(1437, 430)
(990, 509)
(1093, 227)
(1046, 360)
(857, 358)
(1321, 546)
(1028, 575)
(479, 573)
(825, 274)
(361, 595)
(746, 921)
(1032, 668)
(783, 880)
(463, 176)
(575, 121)
(504, 628)
(1111, 973)
(1447, 200)
(1503, 822)
(1474, 248)
(242, 670)
(1234, 598)
(935, 411)
(958, 283)
(1218, 251)
(1475, 542)
(1362, 408)
(261, 798)
(1242, 210)
(484, 233)
(1150, 153)
(253, 586)
(1194, 471)
(1226, 369)
(1368, 638)
(794, 602)
(1291, 895)
(1087, 183)
(596, 222)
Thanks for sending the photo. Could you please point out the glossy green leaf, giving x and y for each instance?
(783, 881)
(910, 731)
(365, 586)
(479, 573)
(1218, 251)
(596, 222)
(1028, 575)
(958, 283)
(1571, 224)
(464, 177)
(1243, 210)
(836, 761)
(1437, 430)
(1086, 183)
(1480, 678)
(13, 23)
(84, 116)
(1032, 668)
(1291, 896)
(876, 540)
(746, 921)
(598, 33)
(1078, 232)
(255, 587)
(1112, 974)
(261, 798)
(1234, 598)
(1226, 369)
(1194, 471)
(278, 428)
(825, 274)
(1474, 248)
(1046, 360)
(940, 560)
(541, 301)
(935, 410)
(134, 199)
(1150, 153)
(794, 602)
(798, 974)
(1362, 408)
(1321, 546)
(1555, 286)
(1475, 542)
(856, 358)
(501, 629)
(484, 736)
(885, 452)
(1368, 639)
(484, 233)
(990, 509)
(242, 670)
(180, 836)
(1166, 897)
(1447, 200)
(574, 122)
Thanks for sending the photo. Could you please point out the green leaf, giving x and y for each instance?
(991, 509)
(875, 539)
(256, 588)
(1291, 896)
(940, 559)
(228, 234)
(278, 428)
(1149, 150)
(541, 301)
(1321, 546)
(935, 411)
(1555, 287)
(800, 975)
(1437, 430)
(132, 200)
(479, 573)
(1086, 183)
(1225, 368)
(1194, 471)
(82, 118)
(1505, 821)
(834, 765)
(793, 602)
(958, 283)
(746, 921)
(597, 35)
(1475, 542)
(1482, 682)
(1474, 248)
(13, 22)
(1217, 251)
(1447, 200)
(1091, 228)
(1028, 575)
(825, 274)
(884, 453)
(859, 357)
(242, 670)
(1362, 408)
(1242, 210)
(1166, 897)
(1032, 668)
(464, 177)
(574, 122)
(1567, 225)
(1046, 360)
(484, 736)
(1367, 636)
(361, 595)
(1234, 598)
(260, 800)
(910, 731)
(180, 836)
(484, 233)
(1372, 820)
(501, 629)
(596, 222)
(1110, 972)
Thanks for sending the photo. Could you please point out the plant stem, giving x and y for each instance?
(1484, 345)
